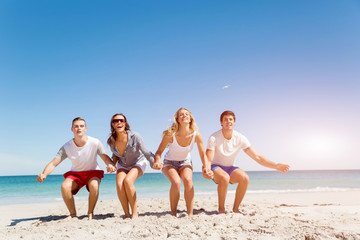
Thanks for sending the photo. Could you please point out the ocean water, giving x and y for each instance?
(25, 189)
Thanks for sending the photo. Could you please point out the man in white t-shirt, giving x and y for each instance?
(222, 149)
(82, 150)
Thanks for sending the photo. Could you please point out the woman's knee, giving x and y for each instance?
(188, 183)
(176, 183)
(128, 181)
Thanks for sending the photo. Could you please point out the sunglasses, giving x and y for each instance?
(118, 120)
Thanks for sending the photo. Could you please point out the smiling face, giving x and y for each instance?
(228, 122)
(79, 128)
(183, 117)
(118, 123)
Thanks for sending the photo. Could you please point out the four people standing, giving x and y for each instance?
(131, 156)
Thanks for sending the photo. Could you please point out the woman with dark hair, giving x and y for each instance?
(130, 156)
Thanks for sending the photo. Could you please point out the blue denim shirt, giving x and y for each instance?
(135, 151)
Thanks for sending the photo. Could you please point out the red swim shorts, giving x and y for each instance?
(82, 178)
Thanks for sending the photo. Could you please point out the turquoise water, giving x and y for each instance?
(25, 189)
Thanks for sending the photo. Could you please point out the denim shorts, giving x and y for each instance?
(227, 169)
(177, 164)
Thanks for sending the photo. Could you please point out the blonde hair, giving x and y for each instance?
(175, 126)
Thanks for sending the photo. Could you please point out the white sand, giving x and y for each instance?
(327, 215)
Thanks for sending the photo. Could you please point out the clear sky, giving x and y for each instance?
(290, 70)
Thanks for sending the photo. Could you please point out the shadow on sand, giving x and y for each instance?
(51, 218)
(180, 214)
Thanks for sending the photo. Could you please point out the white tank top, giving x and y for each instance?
(179, 153)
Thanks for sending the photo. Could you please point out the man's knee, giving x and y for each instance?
(242, 178)
(93, 185)
(223, 179)
(66, 186)
(245, 178)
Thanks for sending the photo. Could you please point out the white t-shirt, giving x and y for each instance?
(82, 158)
(226, 150)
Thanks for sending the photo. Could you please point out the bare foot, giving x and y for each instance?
(173, 213)
(238, 211)
(71, 216)
(90, 216)
(221, 211)
(135, 215)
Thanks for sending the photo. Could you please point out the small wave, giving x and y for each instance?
(206, 193)
(309, 190)
(76, 198)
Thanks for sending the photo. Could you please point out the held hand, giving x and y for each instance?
(282, 167)
(207, 173)
(157, 165)
(41, 177)
(110, 168)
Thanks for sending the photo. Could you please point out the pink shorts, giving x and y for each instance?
(82, 178)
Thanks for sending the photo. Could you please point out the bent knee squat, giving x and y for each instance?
(239, 176)
(93, 185)
(221, 177)
(70, 186)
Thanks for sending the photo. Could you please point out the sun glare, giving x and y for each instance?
(320, 146)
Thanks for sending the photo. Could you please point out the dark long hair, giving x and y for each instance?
(111, 140)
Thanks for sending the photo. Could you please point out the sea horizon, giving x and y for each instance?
(24, 189)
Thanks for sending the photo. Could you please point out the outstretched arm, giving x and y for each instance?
(207, 173)
(157, 160)
(109, 163)
(266, 162)
(48, 169)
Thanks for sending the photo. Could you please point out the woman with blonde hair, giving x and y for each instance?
(180, 137)
(130, 156)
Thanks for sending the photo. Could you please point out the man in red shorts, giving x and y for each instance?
(82, 150)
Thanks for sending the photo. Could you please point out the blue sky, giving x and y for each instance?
(291, 67)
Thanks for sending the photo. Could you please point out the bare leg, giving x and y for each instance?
(129, 180)
(93, 186)
(222, 179)
(186, 175)
(121, 192)
(174, 193)
(66, 190)
(239, 176)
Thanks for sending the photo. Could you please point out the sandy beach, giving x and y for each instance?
(320, 215)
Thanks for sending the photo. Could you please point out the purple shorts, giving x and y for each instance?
(227, 169)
